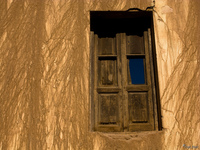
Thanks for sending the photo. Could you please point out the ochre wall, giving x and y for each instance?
(44, 75)
(177, 35)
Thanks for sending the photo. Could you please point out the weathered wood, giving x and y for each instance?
(106, 46)
(140, 127)
(107, 72)
(107, 56)
(92, 91)
(128, 73)
(124, 81)
(153, 79)
(119, 70)
(136, 55)
(148, 73)
(121, 105)
(108, 89)
(146, 45)
(95, 81)
(135, 44)
(141, 118)
(108, 109)
(138, 107)
(137, 88)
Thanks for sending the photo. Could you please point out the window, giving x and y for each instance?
(124, 95)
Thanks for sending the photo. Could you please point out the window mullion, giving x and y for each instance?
(124, 81)
(119, 67)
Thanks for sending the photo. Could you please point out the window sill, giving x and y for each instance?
(130, 135)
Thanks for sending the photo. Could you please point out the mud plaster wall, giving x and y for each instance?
(44, 75)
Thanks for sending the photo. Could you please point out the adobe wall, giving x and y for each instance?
(44, 82)
(177, 35)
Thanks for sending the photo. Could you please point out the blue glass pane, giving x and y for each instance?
(136, 67)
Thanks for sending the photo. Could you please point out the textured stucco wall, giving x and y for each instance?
(44, 82)
(177, 36)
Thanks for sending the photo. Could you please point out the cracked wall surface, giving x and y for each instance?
(177, 36)
(44, 82)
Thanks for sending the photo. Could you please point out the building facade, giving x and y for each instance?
(45, 100)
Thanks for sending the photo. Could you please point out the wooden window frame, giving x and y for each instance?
(122, 91)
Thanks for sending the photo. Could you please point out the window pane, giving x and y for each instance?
(136, 71)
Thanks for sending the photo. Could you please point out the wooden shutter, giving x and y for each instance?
(107, 85)
(139, 115)
(119, 103)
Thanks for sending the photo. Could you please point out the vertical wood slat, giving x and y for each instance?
(119, 77)
(111, 74)
(96, 80)
(124, 82)
(145, 70)
(103, 72)
(148, 73)
(153, 79)
(91, 87)
(128, 73)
